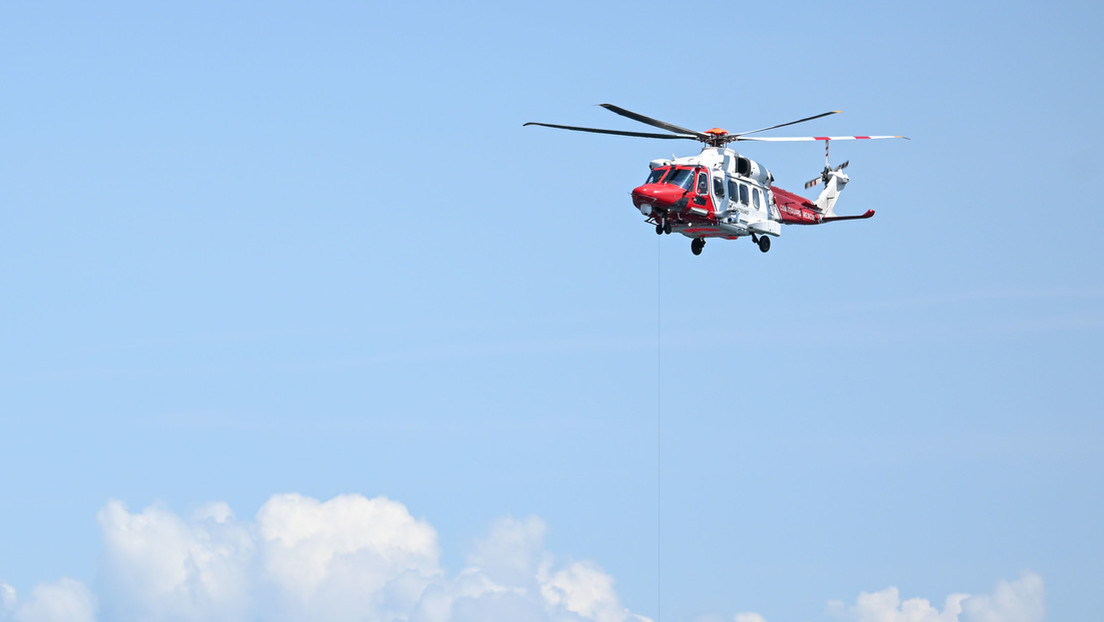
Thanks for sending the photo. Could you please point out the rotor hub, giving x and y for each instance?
(716, 137)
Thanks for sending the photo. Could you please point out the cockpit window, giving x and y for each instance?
(681, 177)
(656, 175)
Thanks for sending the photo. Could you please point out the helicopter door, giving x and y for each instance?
(701, 188)
(719, 199)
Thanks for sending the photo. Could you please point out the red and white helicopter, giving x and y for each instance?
(720, 193)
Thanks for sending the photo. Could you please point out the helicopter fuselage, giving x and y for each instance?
(716, 194)
(721, 194)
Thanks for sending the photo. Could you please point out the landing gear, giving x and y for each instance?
(696, 245)
(663, 226)
(764, 244)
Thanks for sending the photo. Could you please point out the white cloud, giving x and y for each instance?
(159, 566)
(348, 558)
(66, 600)
(585, 590)
(511, 576)
(7, 598)
(355, 558)
(513, 552)
(1018, 601)
(886, 606)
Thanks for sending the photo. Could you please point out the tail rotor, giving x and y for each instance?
(827, 168)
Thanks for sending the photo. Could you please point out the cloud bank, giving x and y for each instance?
(355, 558)
(1016, 601)
(349, 558)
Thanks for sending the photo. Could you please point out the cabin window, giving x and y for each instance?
(681, 177)
(703, 183)
(755, 198)
(743, 194)
(718, 187)
(734, 190)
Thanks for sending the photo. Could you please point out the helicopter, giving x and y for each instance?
(722, 194)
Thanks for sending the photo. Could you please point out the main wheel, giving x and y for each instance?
(696, 246)
(764, 244)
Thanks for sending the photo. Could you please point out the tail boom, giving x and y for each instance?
(794, 209)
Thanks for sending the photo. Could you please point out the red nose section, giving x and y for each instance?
(659, 196)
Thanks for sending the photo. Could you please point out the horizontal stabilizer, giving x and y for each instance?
(868, 214)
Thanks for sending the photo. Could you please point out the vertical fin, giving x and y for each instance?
(833, 186)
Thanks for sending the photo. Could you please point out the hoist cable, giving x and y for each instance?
(659, 430)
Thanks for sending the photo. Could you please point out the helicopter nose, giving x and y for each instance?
(659, 196)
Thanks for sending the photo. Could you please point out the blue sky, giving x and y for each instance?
(273, 248)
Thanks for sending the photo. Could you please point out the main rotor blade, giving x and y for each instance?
(615, 132)
(795, 139)
(774, 127)
(652, 122)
